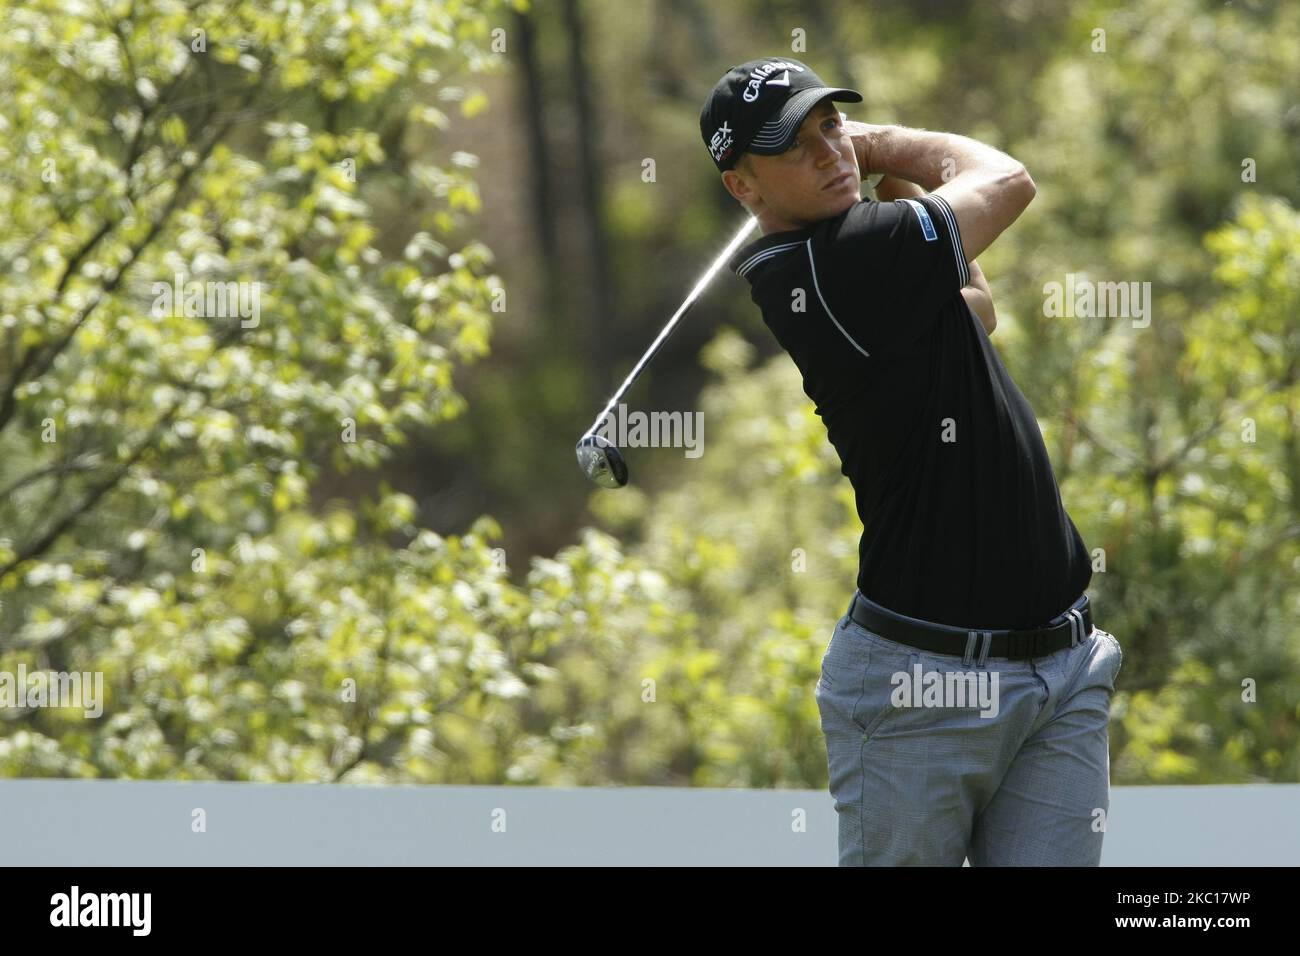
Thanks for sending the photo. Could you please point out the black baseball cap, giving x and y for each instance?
(758, 107)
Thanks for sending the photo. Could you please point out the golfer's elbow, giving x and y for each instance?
(1007, 184)
(1009, 189)
(1021, 185)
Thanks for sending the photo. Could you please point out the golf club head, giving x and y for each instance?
(601, 461)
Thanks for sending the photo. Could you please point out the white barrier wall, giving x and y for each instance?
(115, 823)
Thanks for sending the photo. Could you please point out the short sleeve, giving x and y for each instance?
(884, 271)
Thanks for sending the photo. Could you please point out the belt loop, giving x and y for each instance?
(970, 649)
(984, 648)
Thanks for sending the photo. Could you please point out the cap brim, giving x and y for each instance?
(776, 135)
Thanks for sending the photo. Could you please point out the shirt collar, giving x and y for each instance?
(750, 258)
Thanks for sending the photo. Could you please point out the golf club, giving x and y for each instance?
(600, 458)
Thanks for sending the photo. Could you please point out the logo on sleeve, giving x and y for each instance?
(927, 227)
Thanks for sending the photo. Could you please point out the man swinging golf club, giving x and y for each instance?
(965, 694)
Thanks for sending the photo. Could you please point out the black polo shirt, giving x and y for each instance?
(962, 518)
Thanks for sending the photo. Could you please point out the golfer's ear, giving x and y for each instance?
(742, 190)
(735, 184)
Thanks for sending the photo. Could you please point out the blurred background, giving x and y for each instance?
(349, 541)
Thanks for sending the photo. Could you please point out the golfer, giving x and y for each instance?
(965, 694)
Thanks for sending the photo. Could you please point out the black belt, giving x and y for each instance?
(1071, 628)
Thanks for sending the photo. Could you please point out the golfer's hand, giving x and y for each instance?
(862, 135)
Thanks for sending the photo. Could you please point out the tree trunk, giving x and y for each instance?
(601, 310)
(533, 107)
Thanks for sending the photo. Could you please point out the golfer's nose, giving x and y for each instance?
(824, 150)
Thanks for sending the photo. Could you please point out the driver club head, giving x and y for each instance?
(601, 461)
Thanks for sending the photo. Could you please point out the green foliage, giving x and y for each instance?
(163, 465)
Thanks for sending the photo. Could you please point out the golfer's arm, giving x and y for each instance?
(979, 297)
(894, 187)
(977, 293)
(986, 189)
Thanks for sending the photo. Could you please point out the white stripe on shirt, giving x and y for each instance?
(763, 255)
(963, 270)
(813, 266)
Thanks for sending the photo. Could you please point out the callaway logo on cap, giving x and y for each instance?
(758, 106)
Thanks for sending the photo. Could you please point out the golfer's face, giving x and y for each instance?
(816, 178)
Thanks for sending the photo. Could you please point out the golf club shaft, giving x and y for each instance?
(672, 323)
